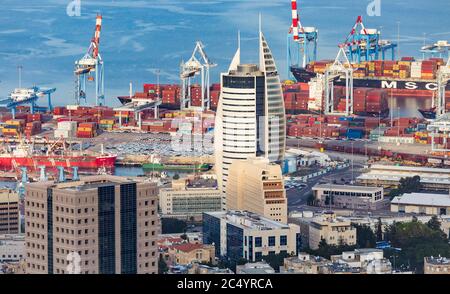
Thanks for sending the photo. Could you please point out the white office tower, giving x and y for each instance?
(250, 118)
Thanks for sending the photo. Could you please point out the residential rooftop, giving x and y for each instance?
(248, 220)
(426, 199)
(347, 188)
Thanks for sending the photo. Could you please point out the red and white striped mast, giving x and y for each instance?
(96, 38)
(295, 20)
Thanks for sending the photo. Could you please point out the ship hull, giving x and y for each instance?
(82, 162)
(417, 88)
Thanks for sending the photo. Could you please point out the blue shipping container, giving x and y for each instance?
(354, 134)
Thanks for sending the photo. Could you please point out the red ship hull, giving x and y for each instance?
(82, 162)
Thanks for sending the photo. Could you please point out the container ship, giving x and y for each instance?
(24, 156)
(404, 78)
(406, 74)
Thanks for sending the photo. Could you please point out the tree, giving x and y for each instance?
(416, 241)
(172, 226)
(365, 237)
(406, 185)
(434, 223)
(162, 265)
(379, 230)
(276, 260)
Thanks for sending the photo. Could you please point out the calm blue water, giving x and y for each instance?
(140, 36)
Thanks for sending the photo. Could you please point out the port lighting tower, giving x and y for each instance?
(301, 42)
(193, 67)
(364, 44)
(340, 67)
(443, 77)
(90, 68)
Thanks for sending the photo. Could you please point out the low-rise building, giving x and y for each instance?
(368, 260)
(328, 227)
(350, 197)
(436, 265)
(242, 234)
(390, 175)
(422, 203)
(256, 268)
(12, 248)
(184, 200)
(202, 269)
(187, 253)
(9, 212)
(304, 264)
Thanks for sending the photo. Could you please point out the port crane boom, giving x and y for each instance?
(363, 44)
(91, 68)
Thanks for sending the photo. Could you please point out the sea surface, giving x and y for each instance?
(138, 37)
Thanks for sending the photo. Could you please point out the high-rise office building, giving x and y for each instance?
(9, 212)
(257, 185)
(250, 118)
(96, 225)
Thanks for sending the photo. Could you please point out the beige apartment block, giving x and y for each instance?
(9, 212)
(333, 230)
(256, 185)
(101, 224)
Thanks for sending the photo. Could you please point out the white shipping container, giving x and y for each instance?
(68, 125)
(72, 107)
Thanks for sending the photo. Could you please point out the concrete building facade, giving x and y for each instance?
(242, 234)
(333, 230)
(257, 186)
(183, 201)
(436, 265)
(9, 212)
(103, 224)
(350, 197)
(422, 203)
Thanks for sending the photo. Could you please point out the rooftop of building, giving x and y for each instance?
(410, 168)
(187, 247)
(351, 188)
(8, 195)
(248, 220)
(87, 182)
(305, 257)
(437, 260)
(247, 70)
(262, 268)
(427, 199)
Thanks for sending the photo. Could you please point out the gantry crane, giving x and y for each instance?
(364, 44)
(302, 39)
(24, 96)
(191, 68)
(440, 49)
(90, 68)
(340, 67)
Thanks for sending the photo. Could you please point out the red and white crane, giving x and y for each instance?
(305, 40)
(91, 68)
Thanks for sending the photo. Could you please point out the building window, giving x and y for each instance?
(283, 240)
(271, 241)
(258, 242)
